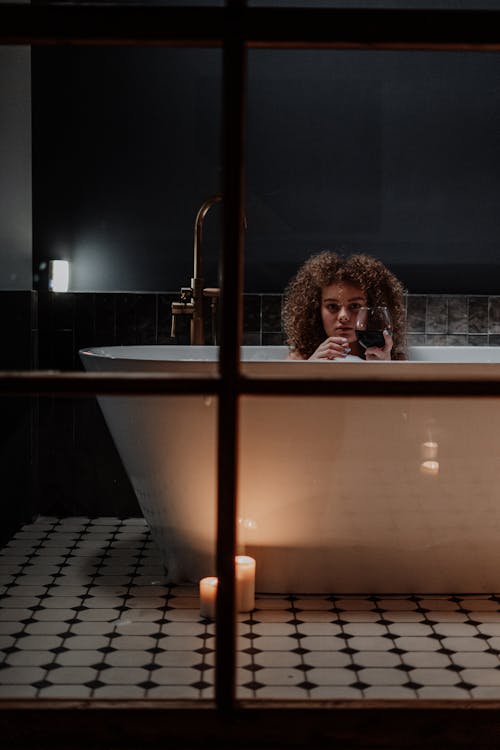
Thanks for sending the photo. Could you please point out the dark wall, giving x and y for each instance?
(15, 171)
(397, 154)
(18, 414)
(122, 156)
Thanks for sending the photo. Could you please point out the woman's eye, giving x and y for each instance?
(332, 308)
(355, 306)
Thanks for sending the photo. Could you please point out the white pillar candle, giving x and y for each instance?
(245, 583)
(245, 588)
(208, 596)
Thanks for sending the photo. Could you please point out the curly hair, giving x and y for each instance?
(301, 313)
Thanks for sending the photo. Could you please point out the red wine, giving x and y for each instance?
(370, 338)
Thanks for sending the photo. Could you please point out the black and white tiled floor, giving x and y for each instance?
(85, 612)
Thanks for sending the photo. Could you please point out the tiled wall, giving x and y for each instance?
(453, 320)
(69, 322)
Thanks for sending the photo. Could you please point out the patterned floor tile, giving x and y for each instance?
(86, 610)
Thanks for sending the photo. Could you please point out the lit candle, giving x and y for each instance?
(245, 588)
(245, 583)
(208, 596)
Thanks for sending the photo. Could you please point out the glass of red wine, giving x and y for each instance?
(370, 324)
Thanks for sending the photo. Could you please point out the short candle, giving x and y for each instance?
(208, 596)
(245, 583)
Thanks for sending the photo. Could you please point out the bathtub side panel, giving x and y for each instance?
(343, 494)
(167, 445)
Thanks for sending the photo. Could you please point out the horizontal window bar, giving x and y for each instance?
(369, 387)
(357, 28)
(84, 384)
(97, 383)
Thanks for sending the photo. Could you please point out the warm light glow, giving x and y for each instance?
(245, 588)
(429, 450)
(58, 275)
(430, 467)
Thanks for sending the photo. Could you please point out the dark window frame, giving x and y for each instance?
(235, 28)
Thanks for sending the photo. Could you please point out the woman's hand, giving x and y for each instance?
(334, 347)
(374, 353)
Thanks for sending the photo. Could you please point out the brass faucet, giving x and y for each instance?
(191, 298)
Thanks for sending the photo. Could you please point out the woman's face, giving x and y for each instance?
(340, 303)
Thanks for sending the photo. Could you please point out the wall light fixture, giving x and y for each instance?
(58, 275)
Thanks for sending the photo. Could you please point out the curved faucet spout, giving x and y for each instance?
(198, 233)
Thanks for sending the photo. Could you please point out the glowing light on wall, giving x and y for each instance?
(58, 275)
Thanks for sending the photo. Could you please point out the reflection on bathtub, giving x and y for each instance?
(428, 450)
(431, 468)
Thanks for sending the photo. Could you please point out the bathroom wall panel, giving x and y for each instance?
(80, 470)
(164, 317)
(18, 316)
(18, 415)
(145, 319)
(84, 323)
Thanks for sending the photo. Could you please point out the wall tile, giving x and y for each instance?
(435, 339)
(105, 319)
(211, 320)
(436, 320)
(85, 335)
(494, 314)
(145, 319)
(456, 339)
(416, 313)
(252, 312)
(16, 317)
(271, 312)
(416, 339)
(457, 314)
(164, 321)
(126, 334)
(251, 338)
(478, 314)
(477, 340)
(63, 352)
(63, 307)
(494, 339)
(273, 339)
(164, 317)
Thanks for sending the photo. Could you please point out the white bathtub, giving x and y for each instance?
(336, 494)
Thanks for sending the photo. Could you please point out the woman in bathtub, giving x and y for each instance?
(322, 301)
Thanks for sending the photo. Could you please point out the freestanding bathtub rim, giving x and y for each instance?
(187, 353)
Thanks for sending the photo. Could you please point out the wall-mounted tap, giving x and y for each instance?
(191, 298)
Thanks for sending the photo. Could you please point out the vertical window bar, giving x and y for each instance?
(234, 88)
